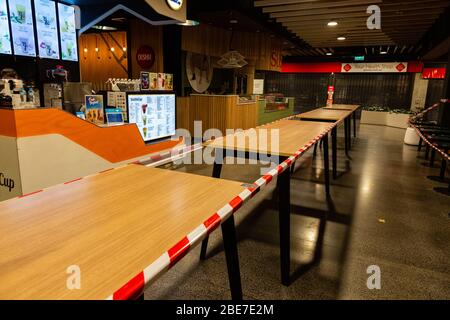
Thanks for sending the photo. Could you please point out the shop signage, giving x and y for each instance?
(276, 60)
(175, 4)
(389, 67)
(6, 182)
(145, 57)
(434, 73)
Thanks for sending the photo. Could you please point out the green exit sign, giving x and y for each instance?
(360, 58)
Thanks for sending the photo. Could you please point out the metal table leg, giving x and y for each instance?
(232, 257)
(326, 159)
(346, 136)
(354, 125)
(284, 198)
(334, 151)
(217, 171)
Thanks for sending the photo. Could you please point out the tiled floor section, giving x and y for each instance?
(383, 181)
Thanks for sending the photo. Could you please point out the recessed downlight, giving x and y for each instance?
(332, 24)
(383, 52)
(329, 54)
(341, 38)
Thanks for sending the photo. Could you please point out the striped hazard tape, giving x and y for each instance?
(432, 145)
(136, 286)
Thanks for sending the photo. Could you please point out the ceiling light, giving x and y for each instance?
(341, 38)
(232, 60)
(233, 21)
(189, 23)
(124, 49)
(329, 54)
(383, 52)
(85, 49)
(332, 23)
(112, 49)
(96, 49)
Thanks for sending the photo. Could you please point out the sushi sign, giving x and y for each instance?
(175, 4)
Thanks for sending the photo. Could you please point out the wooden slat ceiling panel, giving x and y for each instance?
(403, 23)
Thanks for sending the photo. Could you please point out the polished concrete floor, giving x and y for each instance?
(383, 212)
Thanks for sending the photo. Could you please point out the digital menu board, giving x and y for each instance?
(69, 49)
(154, 114)
(47, 30)
(5, 37)
(21, 17)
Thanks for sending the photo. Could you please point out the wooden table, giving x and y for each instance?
(352, 107)
(332, 115)
(293, 136)
(112, 225)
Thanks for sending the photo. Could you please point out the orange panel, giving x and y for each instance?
(114, 144)
(7, 123)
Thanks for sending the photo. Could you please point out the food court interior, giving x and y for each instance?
(209, 150)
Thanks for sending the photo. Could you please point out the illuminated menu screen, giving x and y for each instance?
(47, 29)
(69, 50)
(21, 17)
(5, 37)
(154, 115)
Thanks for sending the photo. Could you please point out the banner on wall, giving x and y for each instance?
(383, 67)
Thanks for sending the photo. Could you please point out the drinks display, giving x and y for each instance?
(22, 27)
(5, 38)
(46, 26)
(69, 49)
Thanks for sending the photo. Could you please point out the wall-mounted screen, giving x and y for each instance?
(154, 114)
(21, 17)
(47, 28)
(68, 31)
(5, 37)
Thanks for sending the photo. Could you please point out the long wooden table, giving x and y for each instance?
(333, 115)
(351, 107)
(293, 136)
(112, 226)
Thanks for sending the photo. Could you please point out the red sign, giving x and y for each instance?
(145, 57)
(347, 67)
(400, 67)
(433, 73)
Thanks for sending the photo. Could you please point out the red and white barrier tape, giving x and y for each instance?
(424, 112)
(432, 145)
(136, 286)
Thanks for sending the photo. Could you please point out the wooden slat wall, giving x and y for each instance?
(97, 67)
(143, 34)
(221, 112)
(183, 115)
(214, 42)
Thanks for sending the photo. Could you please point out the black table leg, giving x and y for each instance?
(349, 134)
(427, 152)
(443, 169)
(284, 198)
(346, 136)
(232, 257)
(326, 159)
(420, 145)
(334, 151)
(432, 157)
(217, 171)
(354, 124)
